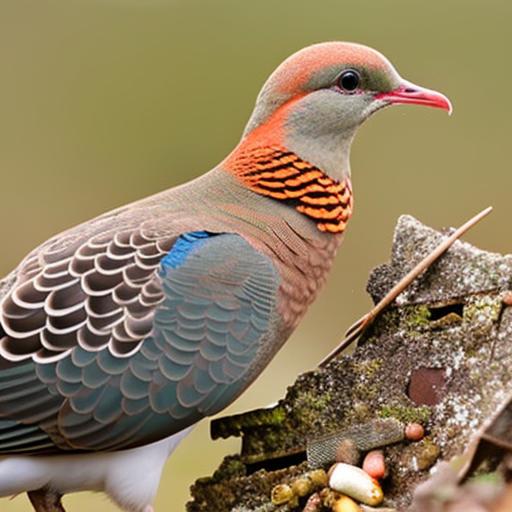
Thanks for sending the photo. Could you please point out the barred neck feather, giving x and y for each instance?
(280, 174)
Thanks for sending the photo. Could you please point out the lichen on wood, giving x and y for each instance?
(440, 356)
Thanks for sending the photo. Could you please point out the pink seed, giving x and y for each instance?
(507, 298)
(374, 464)
(414, 432)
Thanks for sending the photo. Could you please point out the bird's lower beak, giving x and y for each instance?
(408, 93)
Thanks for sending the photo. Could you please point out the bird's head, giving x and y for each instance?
(316, 99)
(296, 145)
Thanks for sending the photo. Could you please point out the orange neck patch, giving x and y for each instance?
(280, 174)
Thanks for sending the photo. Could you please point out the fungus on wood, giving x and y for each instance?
(441, 357)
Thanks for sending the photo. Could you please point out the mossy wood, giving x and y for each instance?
(441, 356)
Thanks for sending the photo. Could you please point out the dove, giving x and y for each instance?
(118, 335)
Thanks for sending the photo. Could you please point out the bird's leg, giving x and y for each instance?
(356, 329)
(45, 500)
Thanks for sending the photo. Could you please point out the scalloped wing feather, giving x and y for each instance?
(99, 293)
(192, 333)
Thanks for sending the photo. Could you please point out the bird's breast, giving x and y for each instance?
(303, 276)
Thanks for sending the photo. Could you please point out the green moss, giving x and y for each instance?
(309, 412)
(471, 352)
(388, 321)
(417, 317)
(234, 425)
(368, 386)
(231, 467)
(367, 368)
(360, 413)
(406, 414)
(264, 443)
(312, 402)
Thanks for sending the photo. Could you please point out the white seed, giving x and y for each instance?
(356, 483)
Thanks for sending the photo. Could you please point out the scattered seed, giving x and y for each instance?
(301, 487)
(414, 432)
(345, 504)
(356, 483)
(374, 464)
(318, 478)
(328, 497)
(281, 494)
(293, 503)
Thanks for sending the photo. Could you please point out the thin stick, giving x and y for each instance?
(356, 329)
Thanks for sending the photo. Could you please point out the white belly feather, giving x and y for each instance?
(129, 477)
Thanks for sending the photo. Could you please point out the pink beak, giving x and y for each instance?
(408, 93)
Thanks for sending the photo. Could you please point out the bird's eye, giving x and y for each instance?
(349, 80)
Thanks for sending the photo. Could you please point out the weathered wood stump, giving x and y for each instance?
(441, 356)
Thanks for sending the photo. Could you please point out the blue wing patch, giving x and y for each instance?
(183, 246)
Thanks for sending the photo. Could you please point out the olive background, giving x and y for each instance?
(104, 102)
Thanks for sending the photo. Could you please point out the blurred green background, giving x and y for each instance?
(104, 102)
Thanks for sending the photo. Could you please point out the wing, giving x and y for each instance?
(180, 347)
(93, 293)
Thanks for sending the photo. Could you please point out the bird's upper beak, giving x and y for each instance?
(409, 93)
